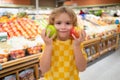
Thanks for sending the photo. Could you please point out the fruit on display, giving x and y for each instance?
(75, 31)
(17, 54)
(34, 50)
(4, 18)
(20, 27)
(22, 14)
(3, 58)
(52, 30)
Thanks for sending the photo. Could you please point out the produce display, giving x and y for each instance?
(20, 27)
(18, 47)
(17, 54)
(34, 50)
(4, 19)
(23, 39)
(101, 21)
(3, 58)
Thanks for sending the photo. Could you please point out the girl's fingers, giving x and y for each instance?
(74, 36)
(53, 36)
(83, 33)
(45, 34)
(82, 36)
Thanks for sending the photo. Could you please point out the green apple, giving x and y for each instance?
(52, 30)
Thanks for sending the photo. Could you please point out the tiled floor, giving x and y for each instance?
(107, 68)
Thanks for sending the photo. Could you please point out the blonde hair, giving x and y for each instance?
(60, 10)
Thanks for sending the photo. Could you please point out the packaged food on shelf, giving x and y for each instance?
(30, 74)
(27, 74)
(3, 36)
(23, 75)
(10, 77)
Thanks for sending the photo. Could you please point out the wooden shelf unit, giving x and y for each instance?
(91, 48)
(15, 66)
(96, 47)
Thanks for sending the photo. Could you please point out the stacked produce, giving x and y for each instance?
(34, 50)
(21, 27)
(41, 20)
(4, 19)
(101, 21)
(17, 54)
(94, 27)
(3, 58)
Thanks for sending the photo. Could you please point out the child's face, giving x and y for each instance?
(63, 25)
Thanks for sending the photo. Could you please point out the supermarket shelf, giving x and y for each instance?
(91, 42)
(94, 49)
(18, 61)
(107, 49)
(18, 65)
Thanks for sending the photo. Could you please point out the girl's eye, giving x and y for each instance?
(68, 23)
(58, 22)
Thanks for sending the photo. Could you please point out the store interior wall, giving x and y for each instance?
(17, 2)
(44, 3)
(95, 2)
(52, 3)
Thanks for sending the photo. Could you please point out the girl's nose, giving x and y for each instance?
(63, 26)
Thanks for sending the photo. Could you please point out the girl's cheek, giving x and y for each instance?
(70, 27)
(57, 27)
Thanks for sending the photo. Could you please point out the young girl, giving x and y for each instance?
(63, 57)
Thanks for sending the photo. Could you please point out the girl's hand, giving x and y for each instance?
(48, 40)
(78, 41)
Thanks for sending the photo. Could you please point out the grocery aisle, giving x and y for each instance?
(105, 68)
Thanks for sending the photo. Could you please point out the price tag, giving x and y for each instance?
(3, 36)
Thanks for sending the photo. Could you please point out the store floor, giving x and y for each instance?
(106, 67)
